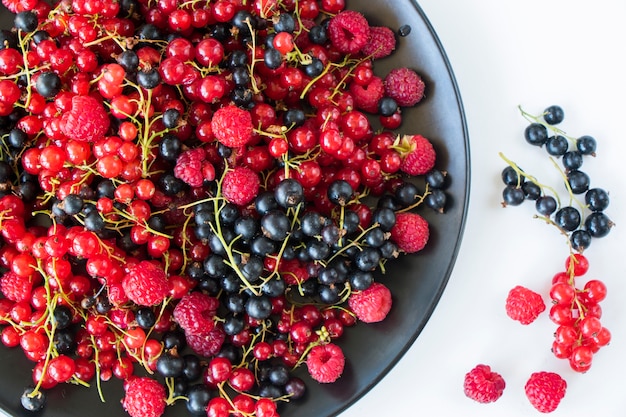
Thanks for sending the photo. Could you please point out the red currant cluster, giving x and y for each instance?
(577, 312)
(195, 189)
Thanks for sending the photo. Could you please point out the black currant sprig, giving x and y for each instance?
(579, 221)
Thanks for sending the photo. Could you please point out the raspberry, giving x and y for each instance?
(240, 185)
(208, 343)
(191, 167)
(325, 363)
(411, 232)
(366, 97)
(194, 313)
(15, 287)
(232, 126)
(524, 305)
(483, 385)
(545, 390)
(371, 305)
(348, 31)
(86, 121)
(418, 155)
(146, 284)
(145, 397)
(381, 43)
(405, 86)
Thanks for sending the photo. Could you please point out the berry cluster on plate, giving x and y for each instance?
(194, 197)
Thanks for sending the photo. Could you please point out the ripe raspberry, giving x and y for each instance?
(240, 185)
(207, 343)
(405, 86)
(371, 305)
(145, 397)
(146, 284)
(381, 43)
(411, 232)
(524, 305)
(195, 311)
(326, 363)
(545, 390)
(483, 385)
(232, 126)
(348, 31)
(418, 154)
(86, 121)
(366, 97)
(15, 287)
(191, 167)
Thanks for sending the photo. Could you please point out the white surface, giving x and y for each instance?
(532, 53)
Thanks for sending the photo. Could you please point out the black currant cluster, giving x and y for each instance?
(341, 248)
(580, 220)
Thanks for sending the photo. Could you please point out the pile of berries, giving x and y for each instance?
(193, 196)
(575, 307)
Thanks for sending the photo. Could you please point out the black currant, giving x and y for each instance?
(536, 134)
(259, 307)
(288, 193)
(557, 145)
(572, 160)
(598, 224)
(198, 397)
(48, 84)
(597, 199)
(568, 218)
(553, 115)
(170, 366)
(546, 205)
(511, 177)
(531, 190)
(580, 239)
(436, 178)
(295, 388)
(586, 145)
(387, 106)
(33, 401)
(340, 192)
(512, 195)
(578, 181)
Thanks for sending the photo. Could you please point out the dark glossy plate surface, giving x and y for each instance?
(416, 282)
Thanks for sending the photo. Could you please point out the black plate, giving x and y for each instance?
(416, 282)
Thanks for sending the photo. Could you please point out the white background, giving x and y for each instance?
(532, 53)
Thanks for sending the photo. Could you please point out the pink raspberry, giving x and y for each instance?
(193, 168)
(145, 397)
(240, 185)
(146, 284)
(524, 305)
(326, 363)
(411, 232)
(366, 97)
(483, 385)
(15, 287)
(371, 305)
(405, 86)
(195, 311)
(207, 343)
(348, 31)
(418, 154)
(232, 126)
(545, 390)
(86, 121)
(381, 43)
